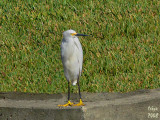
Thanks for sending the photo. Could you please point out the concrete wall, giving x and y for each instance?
(138, 105)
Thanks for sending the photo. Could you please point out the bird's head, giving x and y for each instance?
(72, 33)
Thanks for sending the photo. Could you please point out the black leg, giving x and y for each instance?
(79, 87)
(68, 103)
(68, 90)
(80, 100)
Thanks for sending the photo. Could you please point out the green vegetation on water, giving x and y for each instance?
(123, 53)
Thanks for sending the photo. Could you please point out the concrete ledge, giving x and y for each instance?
(138, 105)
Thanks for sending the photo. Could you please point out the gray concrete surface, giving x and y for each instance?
(138, 105)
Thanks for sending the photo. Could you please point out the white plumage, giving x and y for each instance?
(72, 56)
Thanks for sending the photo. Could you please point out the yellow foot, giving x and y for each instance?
(65, 105)
(79, 104)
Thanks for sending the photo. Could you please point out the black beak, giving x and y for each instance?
(81, 34)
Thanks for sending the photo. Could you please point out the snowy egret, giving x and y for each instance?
(72, 59)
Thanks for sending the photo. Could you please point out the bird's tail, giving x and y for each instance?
(74, 82)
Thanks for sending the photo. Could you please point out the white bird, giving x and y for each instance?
(72, 59)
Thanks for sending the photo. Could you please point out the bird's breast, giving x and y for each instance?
(67, 50)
